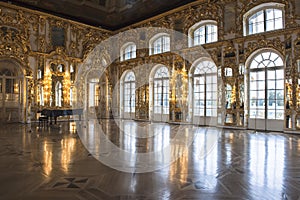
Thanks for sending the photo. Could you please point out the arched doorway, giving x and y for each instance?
(204, 79)
(11, 91)
(266, 91)
(128, 95)
(159, 82)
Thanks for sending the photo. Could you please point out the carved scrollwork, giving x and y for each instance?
(201, 12)
(14, 44)
(265, 43)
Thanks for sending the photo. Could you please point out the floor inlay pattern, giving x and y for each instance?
(70, 183)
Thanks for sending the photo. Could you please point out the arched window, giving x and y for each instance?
(58, 94)
(205, 89)
(203, 32)
(159, 44)
(11, 85)
(129, 93)
(11, 91)
(262, 18)
(161, 91)
(128, 51)
(266, 87)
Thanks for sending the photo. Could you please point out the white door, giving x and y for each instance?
(266, 92)
(205, 94)
(161, 95)
(129, 96)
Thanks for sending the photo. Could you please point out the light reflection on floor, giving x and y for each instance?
(52, 163)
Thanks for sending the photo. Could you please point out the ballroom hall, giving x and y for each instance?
(150, 99)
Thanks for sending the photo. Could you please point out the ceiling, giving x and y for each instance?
(108, 14)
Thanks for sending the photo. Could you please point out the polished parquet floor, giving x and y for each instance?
(54, 163)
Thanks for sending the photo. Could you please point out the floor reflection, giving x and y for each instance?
(48, 152)
(218, 163)
(267, 158)
(67, 146)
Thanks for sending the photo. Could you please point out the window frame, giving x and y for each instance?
(131, 82)
(199, 25)
(262, 7)
(132, 51)
(204, 74)
(163, 45)
(264, 90)
(161, 98)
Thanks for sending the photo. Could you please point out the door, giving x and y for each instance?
(161, 95)
(205, 94)
(266, 92)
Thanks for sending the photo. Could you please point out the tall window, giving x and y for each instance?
(205, 89)
(266, 86)
(58, 94)
(128, 51)
(263, 18)
(129, 93)
(161, 91)
(160, 44)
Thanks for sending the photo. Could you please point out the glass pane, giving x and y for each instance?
(252, 113)
(273, 19)
(270, 25)
(257, 85)
(271, 74)
(256, 23)
(261, 114)
(279, 94)
(280, 104)
(260, 75)
(201, 112)
(279, 74)
(165, 110)
(278, 23)
(271, 84)
(280, 114)
(271, 114)
(261, 103)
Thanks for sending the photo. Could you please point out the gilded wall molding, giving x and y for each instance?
(276, 44)
(195, 14)
(14, 44)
